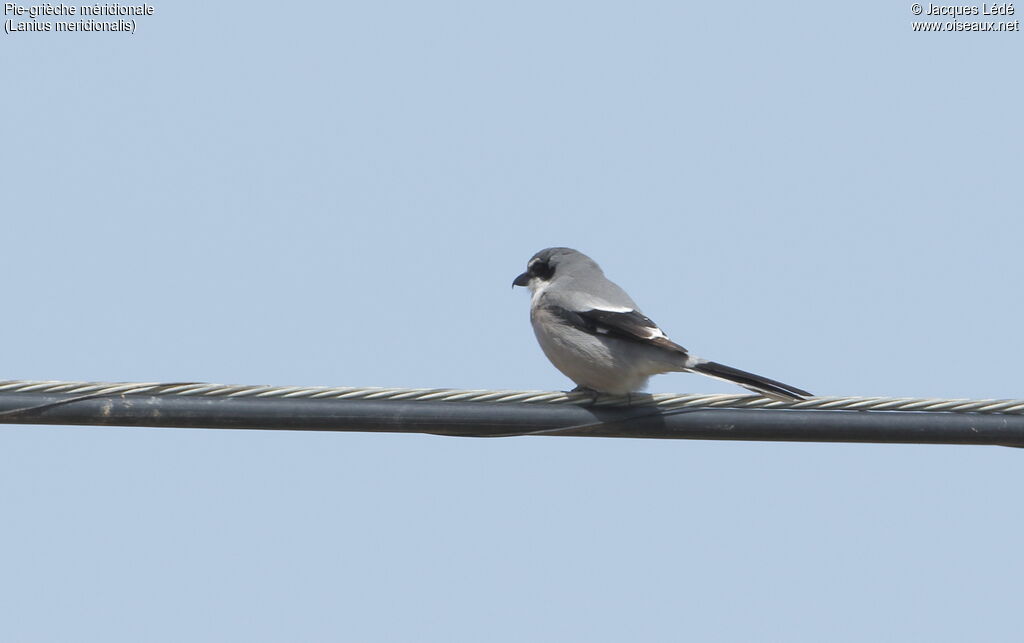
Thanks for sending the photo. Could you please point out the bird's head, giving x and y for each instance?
(551, 262)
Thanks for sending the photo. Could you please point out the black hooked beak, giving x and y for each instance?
(521, 280)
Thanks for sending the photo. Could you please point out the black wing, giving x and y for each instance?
(630, 326)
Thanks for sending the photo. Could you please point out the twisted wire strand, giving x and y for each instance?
(660, 400)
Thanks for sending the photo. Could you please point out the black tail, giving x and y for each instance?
(756, 383)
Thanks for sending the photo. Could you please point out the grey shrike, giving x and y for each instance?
(592, 331)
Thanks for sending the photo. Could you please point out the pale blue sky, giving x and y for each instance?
(341, 193)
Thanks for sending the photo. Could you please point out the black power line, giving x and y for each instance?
(491, 419)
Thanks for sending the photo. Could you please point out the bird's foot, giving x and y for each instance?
(583, 389)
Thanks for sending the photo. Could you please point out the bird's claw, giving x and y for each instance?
(583, 389)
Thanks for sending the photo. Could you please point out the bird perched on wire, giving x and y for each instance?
(593, 332)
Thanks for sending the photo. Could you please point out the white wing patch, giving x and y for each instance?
(655, 333)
